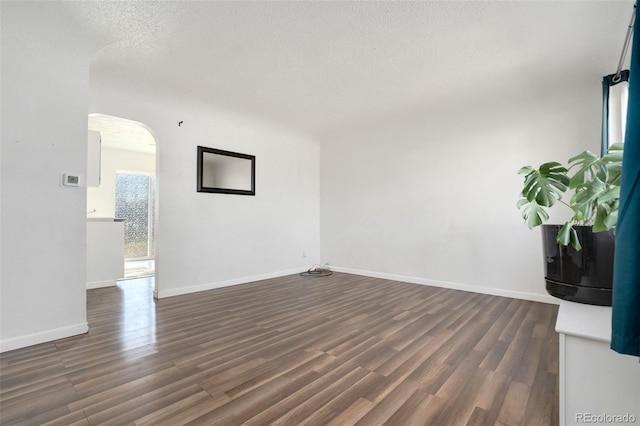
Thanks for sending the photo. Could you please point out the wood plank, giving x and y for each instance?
(352, 414)
(388, 405)
(515, 402)
(339, 350)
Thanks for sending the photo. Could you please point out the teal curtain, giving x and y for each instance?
(625, 335)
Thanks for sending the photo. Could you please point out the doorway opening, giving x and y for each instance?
(127, 189)
(135, 202)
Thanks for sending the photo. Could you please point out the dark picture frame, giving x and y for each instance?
(226, 172)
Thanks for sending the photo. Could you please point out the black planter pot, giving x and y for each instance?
(584, 276)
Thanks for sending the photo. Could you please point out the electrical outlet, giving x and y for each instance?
(304, 252)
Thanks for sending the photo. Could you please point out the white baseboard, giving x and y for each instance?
(42, 337)
(453, 285)
(100, 284)
(160, 293)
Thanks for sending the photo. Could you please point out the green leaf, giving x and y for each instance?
(589, 166)
(580, 213)
(568, 235)
(615, 173)
(533, 214)
(563, 237)
(616, 147)
(546, 184)
(613, 193)
(584, 201)
(613, 161)
(525, 170)
(606, 216)
(601, 215)
(575, 242)
(552, 167)
(612, 157)
(522, 202)
(612, 219)
(588, 192)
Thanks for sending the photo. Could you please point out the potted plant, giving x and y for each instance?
(578, 254)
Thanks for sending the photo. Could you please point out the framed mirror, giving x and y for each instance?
(226, 172)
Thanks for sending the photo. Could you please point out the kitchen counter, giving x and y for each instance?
(105, 251)
(104, 219)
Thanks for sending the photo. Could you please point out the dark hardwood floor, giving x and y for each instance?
(338, 350)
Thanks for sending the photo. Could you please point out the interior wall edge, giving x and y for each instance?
(101, 284)
(161, 294)
(45, 336)
(452, 285)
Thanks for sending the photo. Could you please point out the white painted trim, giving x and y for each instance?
(42, 337)
(452, 285)
(235, 281)
(100, 284)
(562, 379)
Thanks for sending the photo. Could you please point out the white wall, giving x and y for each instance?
(45, 83)
(204, 240)
(209, 240)
(431, 197)
(103, 197)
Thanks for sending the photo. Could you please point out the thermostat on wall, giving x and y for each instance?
(70, 179)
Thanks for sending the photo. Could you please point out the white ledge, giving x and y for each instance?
(587, 321)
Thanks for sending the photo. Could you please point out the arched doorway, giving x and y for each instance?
(127, 188)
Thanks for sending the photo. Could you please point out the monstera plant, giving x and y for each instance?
(592, 181)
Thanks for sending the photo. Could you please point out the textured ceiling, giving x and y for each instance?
(122, 134)
(327, 67)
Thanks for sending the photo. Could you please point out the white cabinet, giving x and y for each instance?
(93, 158)
(596, 384)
